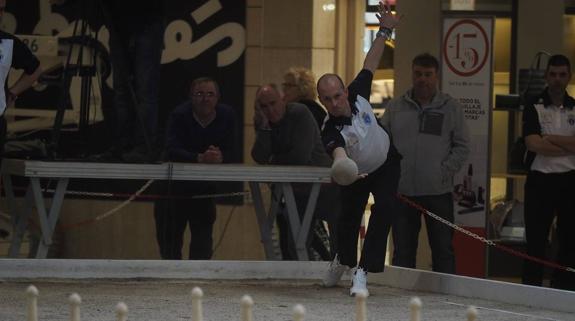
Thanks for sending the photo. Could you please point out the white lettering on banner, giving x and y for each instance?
(206, 10)
(8, 23)
(50, 23)
(178, 37)
(179, 45)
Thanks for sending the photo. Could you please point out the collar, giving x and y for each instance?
(436, 101)
(431, 101)
(339, 121)
(206, 121)
(352, 101)
(545, 99)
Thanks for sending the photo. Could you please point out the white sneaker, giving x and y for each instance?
(359, 282)
(334, 273)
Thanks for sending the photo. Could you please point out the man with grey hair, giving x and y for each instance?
(287, 134)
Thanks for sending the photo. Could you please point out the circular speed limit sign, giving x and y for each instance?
(465, 47)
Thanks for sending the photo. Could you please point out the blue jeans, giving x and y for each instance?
(406, 233)
(136, 62)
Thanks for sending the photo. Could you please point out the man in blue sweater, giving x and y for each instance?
(201, 130)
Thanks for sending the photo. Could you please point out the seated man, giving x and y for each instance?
(200, 130)
(287, 134)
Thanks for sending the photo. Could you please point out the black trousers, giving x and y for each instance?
(3, 129)
(382, 183)
(548, 196)
(406, 233)
(174, 215)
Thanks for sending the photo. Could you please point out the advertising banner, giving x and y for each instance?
(466, 75)
(200, 39)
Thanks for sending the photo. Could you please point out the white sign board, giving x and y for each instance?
(466, 75)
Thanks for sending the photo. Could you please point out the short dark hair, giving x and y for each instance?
(202, 80)
(426, 60)
(559, 60)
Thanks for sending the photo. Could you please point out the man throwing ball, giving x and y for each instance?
(352, 133)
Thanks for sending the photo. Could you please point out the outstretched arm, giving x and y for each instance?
(387, 22)
(340, 164)
(338, 153)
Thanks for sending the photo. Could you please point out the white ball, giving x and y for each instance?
(121, 308)
(344, 171)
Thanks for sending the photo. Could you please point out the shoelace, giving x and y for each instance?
(333, 266)
(361, 276)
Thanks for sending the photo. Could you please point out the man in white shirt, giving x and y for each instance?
(549, 131)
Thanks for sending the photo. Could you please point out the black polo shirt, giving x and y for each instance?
(364, 139)
(13, 54)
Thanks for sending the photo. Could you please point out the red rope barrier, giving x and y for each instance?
(484, 240)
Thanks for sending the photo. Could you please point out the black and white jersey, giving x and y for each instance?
(543, 118)
(13, 54)
(364, 139)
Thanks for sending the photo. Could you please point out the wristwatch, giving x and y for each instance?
(385, 33)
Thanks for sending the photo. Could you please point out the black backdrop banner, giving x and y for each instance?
(201, 38)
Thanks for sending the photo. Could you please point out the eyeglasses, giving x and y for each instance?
(201, 94)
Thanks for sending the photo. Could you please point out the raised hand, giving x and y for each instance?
(387, 19)
(260, 120)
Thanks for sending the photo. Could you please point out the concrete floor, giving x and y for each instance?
(274, 300)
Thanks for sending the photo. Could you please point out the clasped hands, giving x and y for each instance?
(212, 155)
